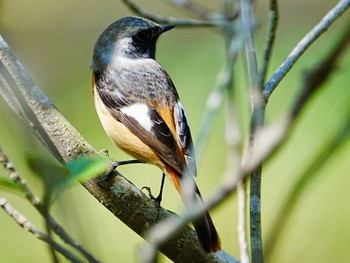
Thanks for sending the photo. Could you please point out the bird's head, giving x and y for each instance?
(129, 37)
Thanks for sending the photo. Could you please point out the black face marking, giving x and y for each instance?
(143, 43)
(143, 35)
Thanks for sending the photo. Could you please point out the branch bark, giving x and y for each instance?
(65, 143)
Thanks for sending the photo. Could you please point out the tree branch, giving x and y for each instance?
(257, 121)
(312, 82)
(308, 176)
(119, 195)
(36, 202)
(166, 19)
(304, 44)
(270, 39)
(28, 226)
(195, 8)
(242, 222)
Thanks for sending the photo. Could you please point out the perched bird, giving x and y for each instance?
(140, 109)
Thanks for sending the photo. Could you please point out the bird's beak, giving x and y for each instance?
(166, 28)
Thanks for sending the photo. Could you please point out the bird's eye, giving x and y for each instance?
(143, 35)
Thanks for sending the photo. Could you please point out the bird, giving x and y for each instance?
(140, 109)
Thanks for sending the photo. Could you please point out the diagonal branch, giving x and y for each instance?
(328, 150)
(312, 82)
(304, 44)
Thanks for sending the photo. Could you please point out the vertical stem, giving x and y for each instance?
(46, 201)
(270, 39)
(256, 244)
(255, 217)
(233, 141)
(257, 120)
(233, 136)
(242, 222)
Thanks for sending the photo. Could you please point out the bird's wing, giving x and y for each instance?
(155, 127)
(184, 137)
(147, 124)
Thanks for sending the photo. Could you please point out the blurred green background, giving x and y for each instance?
(54, 41)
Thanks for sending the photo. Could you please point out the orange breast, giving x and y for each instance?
(123, 138)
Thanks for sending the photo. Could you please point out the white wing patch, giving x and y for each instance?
(140, 113)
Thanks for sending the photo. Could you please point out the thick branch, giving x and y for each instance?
(120, 196)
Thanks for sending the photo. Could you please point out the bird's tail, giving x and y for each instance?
(206, 232)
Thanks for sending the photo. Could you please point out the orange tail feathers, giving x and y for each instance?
(206, 232)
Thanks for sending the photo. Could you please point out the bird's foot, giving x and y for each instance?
(109, 174)
(157, 200)
(105, 152)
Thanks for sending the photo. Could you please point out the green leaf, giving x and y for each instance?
(52, 174)
(8, 184)
(84, 168)
(57, 177)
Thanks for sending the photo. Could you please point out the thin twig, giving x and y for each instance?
(233, 140)
(308, 176)
(304, 44)
(166, 19)
(234, 159)
(316, 76)
(198, 10)
(36, 202)
(215, 98)
(28, 226)
(312, 82)
(242, 222)
(52, 250)
(270, 39)
(15, 177)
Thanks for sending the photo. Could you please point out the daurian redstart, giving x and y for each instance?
(140, 108)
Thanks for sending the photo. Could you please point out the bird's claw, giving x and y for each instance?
(105, 152)
(109, 173)
(157, 199)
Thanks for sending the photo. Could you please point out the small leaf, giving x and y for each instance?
(84, 168)
(8, 184)
(57, 177)
(50, 173)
